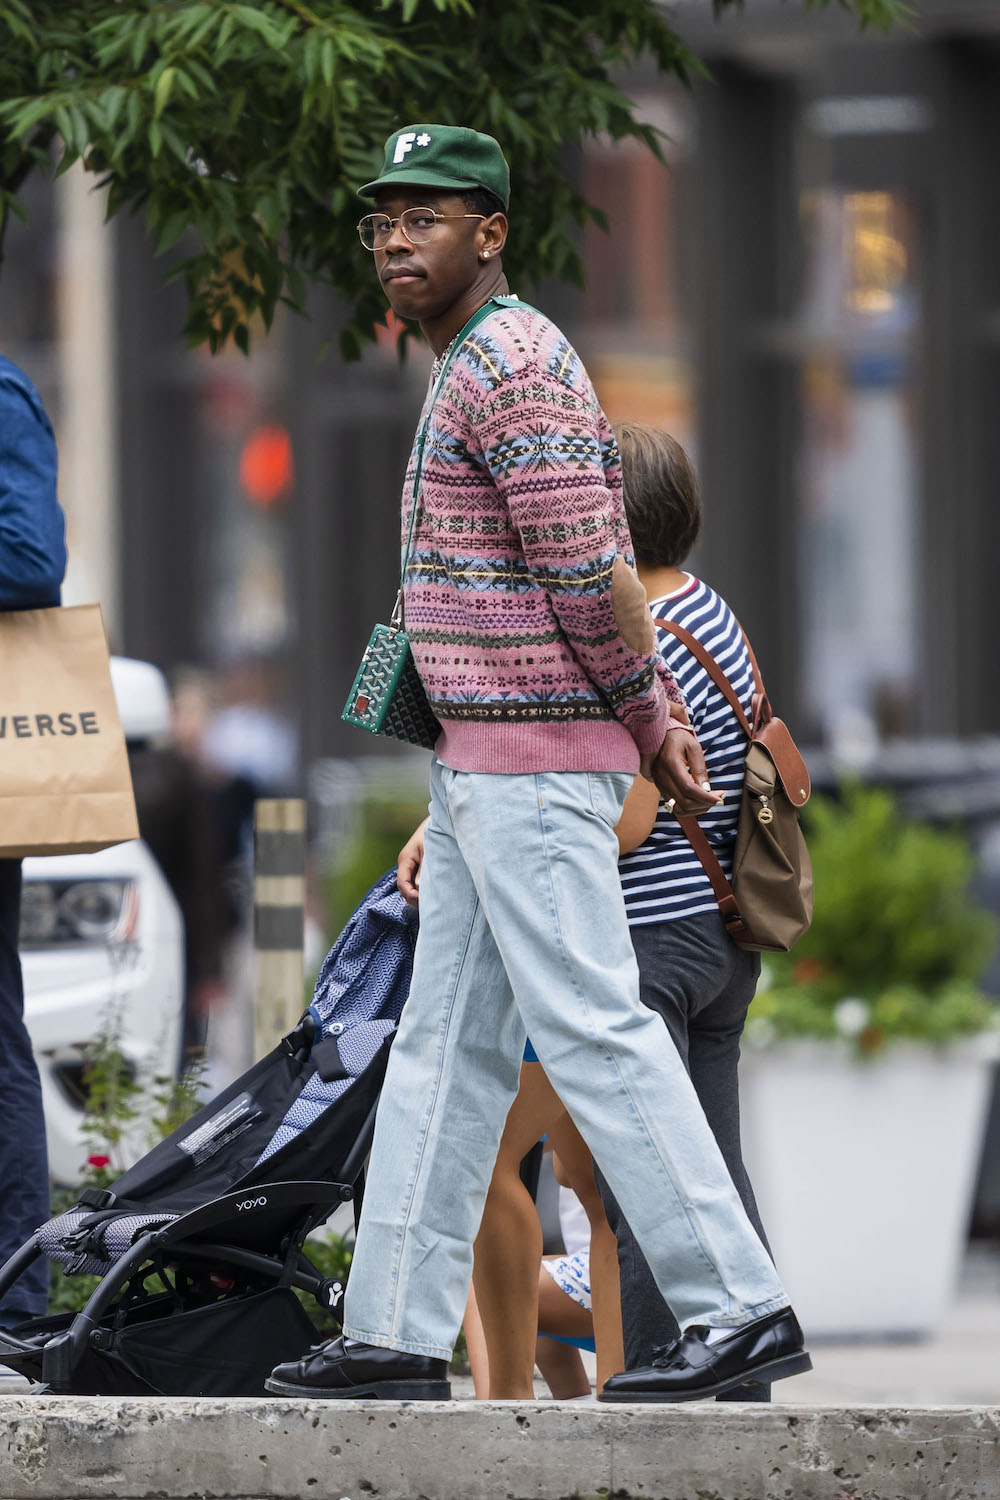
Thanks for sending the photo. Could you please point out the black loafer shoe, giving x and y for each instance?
(348, 1370)
(691, 1369)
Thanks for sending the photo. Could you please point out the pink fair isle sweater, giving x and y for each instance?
(512, 586)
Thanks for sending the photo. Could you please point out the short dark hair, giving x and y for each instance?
(482, 201)
(662, 495)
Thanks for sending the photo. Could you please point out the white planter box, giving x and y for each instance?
(864, 1173)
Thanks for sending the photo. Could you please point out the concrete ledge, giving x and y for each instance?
(83, 1448)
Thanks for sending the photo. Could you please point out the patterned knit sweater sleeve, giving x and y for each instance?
(561, 481)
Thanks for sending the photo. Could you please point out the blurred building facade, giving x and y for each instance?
(807, 295)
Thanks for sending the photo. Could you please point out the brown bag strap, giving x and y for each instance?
(694, 833)
(757, 678)
(721, 889)
(713, 669)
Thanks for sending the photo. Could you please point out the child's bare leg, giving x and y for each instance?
(560, 1313)
(577, 1165)
(509, 1245)
(562, 1369)
(475, 1343)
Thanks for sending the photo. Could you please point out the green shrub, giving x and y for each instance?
(384, 825)
(898, 946)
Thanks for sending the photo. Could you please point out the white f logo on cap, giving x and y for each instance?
(404, 143)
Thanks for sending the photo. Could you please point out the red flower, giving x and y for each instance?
(100, 1162)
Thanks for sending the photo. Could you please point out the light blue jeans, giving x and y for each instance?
(522, 927)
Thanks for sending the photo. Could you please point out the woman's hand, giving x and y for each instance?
(411, 857)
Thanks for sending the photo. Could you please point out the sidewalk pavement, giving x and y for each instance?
(830, 1439)
(102, 1448)
(958, 1366)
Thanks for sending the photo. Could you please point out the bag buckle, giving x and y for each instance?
(396, 618)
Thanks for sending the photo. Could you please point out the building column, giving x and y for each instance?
(743, 233)
(960, 433)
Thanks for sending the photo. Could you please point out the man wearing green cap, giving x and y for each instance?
(532, 637)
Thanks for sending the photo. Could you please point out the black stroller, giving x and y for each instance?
(200, 1244)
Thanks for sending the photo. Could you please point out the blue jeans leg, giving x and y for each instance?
(523, 925)
(453, 1072)
(24, 1171)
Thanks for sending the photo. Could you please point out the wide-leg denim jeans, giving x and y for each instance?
(523, 929)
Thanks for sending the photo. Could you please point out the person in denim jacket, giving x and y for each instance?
(32, 564)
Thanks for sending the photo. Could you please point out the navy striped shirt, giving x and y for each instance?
(663, 879)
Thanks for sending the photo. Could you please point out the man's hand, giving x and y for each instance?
(681, 775)
(411, 857)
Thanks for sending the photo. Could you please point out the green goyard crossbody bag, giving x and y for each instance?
(387, 696)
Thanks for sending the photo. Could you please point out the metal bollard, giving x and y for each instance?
(279, 858)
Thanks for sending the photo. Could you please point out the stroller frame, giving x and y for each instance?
(63, 1353)
(200, 1244)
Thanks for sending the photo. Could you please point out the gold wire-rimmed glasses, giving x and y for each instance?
(417, 224)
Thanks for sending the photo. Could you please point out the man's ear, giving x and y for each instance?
(493, 235)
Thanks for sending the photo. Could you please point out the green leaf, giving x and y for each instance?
(114, 103)
(161, 94)
(326, 57)
(172, 230)
(133, 112)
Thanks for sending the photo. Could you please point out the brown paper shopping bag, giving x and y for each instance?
(65, 786)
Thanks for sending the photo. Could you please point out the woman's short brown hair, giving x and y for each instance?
(662, 496)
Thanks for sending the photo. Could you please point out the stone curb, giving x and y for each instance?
(90, 1448)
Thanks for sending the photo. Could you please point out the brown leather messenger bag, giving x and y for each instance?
(768, 903)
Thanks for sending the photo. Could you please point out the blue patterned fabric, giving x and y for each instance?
(564, 362)
(358, 999)
(540, 449)
(485, 357)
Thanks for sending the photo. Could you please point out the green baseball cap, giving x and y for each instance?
(442, 156)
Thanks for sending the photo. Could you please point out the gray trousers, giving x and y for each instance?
(695, 977)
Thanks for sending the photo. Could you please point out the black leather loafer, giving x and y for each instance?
(692, 1369)
(347, 1370)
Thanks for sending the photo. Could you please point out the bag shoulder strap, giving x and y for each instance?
(694, 833)
(721, 889)
(713, 669)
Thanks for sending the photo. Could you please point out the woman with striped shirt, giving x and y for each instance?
(690, 971)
